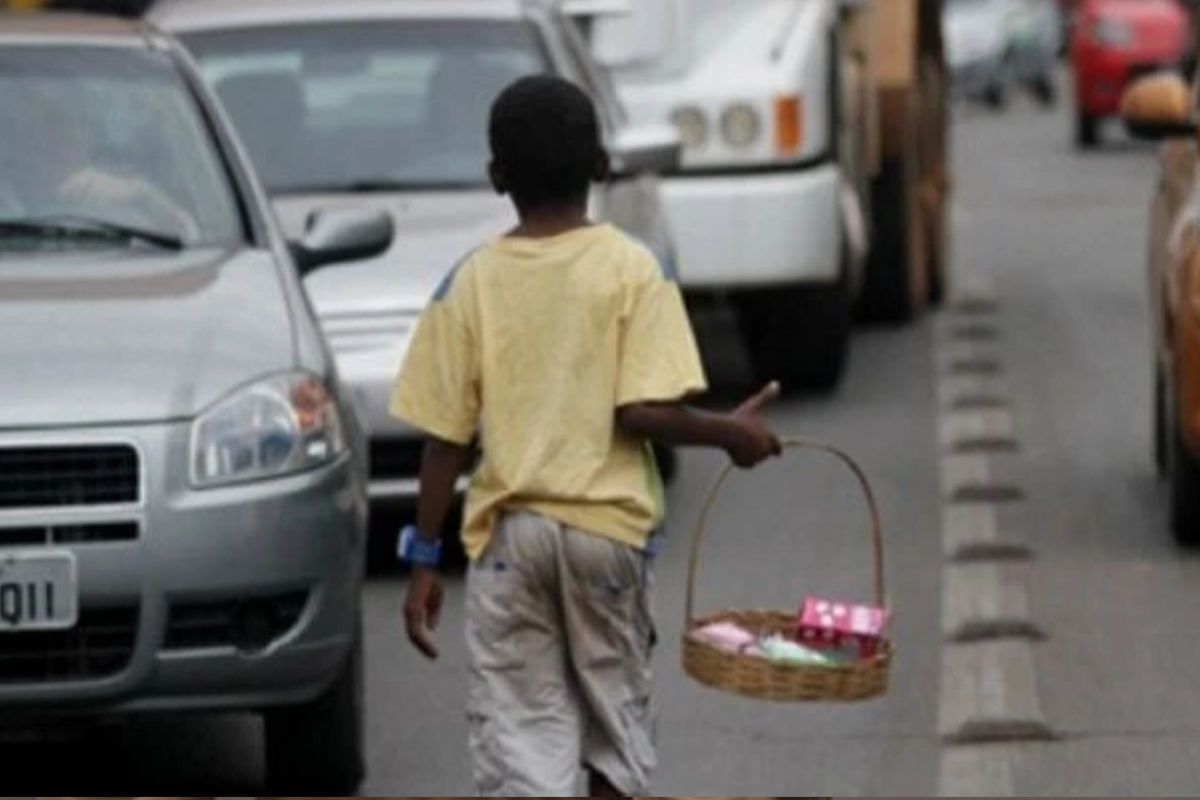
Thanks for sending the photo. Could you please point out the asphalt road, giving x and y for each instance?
(1061, 235)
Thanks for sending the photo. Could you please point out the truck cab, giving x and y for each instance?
(767, 205)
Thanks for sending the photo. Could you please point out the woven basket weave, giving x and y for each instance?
(755, 676)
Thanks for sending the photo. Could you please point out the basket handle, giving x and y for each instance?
(790, 443)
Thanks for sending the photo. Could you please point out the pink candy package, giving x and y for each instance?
(830, 625)
(728, 636)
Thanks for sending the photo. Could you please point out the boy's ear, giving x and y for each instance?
(602, 169)
(496, 174)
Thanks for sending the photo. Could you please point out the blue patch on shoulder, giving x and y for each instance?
(667, 265)
(447, 283)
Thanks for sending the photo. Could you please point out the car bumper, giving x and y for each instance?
(756, 229)
(202, 565)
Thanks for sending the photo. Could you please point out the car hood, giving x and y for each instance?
(973, 31)
(434, 231)
(103, 338)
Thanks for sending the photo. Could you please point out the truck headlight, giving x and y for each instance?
(692, 126)
(741, 125)
(279, 425)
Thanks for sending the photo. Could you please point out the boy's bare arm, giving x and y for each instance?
(441, 464)
(742, 434)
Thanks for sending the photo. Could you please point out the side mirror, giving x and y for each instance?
(334, 235)
(1159, 107)
(646, 148)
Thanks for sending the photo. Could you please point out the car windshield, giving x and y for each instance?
(106, 146)
(359, 106)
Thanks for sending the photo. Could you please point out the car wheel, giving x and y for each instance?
(1045, 91)
(996, 96)
(798, 336)
(1087, 130)
(317, 748)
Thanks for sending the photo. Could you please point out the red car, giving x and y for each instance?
(1114, 42)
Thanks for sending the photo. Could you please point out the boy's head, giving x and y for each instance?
(545, 141)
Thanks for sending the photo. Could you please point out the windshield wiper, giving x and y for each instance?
(73, 226)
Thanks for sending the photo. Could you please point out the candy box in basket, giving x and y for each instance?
(830, 625)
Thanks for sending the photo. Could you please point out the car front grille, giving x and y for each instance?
(51, 477)
(86, 533)
(99, 646)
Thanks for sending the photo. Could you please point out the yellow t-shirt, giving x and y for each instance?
(532, 345)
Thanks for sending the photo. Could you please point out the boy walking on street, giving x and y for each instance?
(564, 349)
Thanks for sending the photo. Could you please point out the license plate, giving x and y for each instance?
(38, 590)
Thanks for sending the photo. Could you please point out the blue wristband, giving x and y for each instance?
(416, 549)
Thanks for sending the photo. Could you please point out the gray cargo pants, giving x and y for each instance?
(559, 634)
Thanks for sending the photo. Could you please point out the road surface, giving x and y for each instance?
(1015, 428)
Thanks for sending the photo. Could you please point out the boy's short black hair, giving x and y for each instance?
(545, 141)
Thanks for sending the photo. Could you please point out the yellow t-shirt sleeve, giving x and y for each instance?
(437, 390)
(659, 357)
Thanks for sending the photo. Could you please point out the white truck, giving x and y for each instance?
(807, 184)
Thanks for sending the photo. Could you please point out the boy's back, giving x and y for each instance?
(538, 341)
(563, 348)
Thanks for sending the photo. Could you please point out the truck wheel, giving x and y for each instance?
(317, 748)
(1087, 130)
(895, 288)
(1185, 493)
(798, 336)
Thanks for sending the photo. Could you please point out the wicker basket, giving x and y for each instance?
(755, 676)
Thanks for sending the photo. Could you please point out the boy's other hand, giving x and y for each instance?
(423, 610)
(756, 442)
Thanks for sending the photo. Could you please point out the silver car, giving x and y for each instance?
(384, 103)
(182, 482)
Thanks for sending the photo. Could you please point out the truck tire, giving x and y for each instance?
(798, 336)
(895, 288)
(317, 748)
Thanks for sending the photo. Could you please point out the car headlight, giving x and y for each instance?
(276, 426)
(1112, 33)
(741, 125)
(692, 126)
